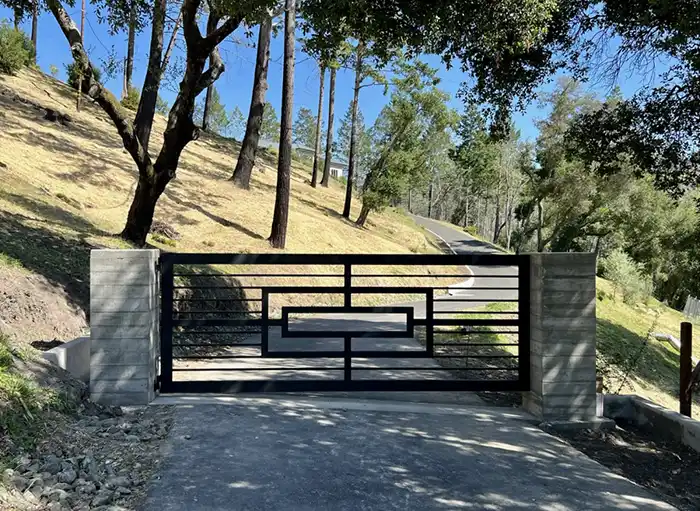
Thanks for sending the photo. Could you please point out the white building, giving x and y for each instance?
(338, 167)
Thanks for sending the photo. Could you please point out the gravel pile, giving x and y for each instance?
(101, 462)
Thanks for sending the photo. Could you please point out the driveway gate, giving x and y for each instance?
(294, 322)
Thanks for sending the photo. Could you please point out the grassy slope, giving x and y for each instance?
(626, 348)
(66, 189)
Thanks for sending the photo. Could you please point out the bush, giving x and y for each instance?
(626, 276)
(16, 49)
(72, 72)
(164, 240)
(472, 229)
(132, 98)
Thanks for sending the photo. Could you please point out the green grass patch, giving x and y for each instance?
(24, 405)
(10, 262)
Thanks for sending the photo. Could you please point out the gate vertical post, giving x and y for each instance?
(124, 326)
(347, 341)
(562, 339)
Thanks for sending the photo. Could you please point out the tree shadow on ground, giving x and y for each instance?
(204, 292)
(297, 196)
(63, 261)
(624, 355)
(260, 454)
(52, 215)
(178, 199)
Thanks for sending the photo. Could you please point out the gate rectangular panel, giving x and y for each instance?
(360, 322)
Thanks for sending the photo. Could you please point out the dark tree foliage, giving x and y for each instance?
(659, 127)
(508, 46)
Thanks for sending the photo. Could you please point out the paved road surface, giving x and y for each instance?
(347, 452)
(318, 454)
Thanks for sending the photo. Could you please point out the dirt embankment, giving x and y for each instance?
(34, 310)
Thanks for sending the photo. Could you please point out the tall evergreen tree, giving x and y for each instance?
(253, 130)
(278, 236)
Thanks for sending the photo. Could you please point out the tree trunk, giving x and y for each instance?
(171, 44)
(35, 23)
(353, 132)
(430, 199)
(78, 97)
(466, 209)
(249, 146)
(140, 217)
(212, 22)
(540, 220)
(17, 18)
(131, 38)
(329, 136)
(207, 108)
(497, 221)
(278, 236)
(319, 113)
(410, 209)
(362, 219)
(509, 222)
(180, 130)
(149, 95)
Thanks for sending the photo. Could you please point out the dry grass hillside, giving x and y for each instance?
(66, 187)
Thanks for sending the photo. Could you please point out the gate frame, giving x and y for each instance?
(522, 262)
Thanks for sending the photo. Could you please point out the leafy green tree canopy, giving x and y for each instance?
(270, 127)
(304, 129)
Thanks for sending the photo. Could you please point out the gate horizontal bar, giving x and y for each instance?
(476, 322)
(234, 369)
(341, 259)
(445, 345)
(354, 354)
(217, 299)
(244, 386)
(334, 275)
(217, 344)
(406, 332)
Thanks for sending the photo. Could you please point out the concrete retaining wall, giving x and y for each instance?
(646, 414)
(73, 356)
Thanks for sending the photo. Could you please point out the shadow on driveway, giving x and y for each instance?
(299, 455)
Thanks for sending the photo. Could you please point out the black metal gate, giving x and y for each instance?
(295, 322)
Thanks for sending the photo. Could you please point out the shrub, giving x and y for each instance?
(53, 70)
(626, 276)
(16, 49)
(132, 98)
(472, 229)
(162, 239)
(72, 72)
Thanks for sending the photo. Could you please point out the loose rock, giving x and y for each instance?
(67, 476)
(102, 498)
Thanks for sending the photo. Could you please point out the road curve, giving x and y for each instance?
(484, 276)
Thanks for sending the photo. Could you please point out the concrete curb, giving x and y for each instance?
(73, 356)
(644, 413)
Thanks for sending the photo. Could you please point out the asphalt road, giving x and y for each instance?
(292, 454)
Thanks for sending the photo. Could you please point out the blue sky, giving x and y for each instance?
(235, 85)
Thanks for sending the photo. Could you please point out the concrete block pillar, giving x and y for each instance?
(124, 320)
(562, 338)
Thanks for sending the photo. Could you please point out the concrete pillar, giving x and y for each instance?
(124, 319)
(562, 338)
